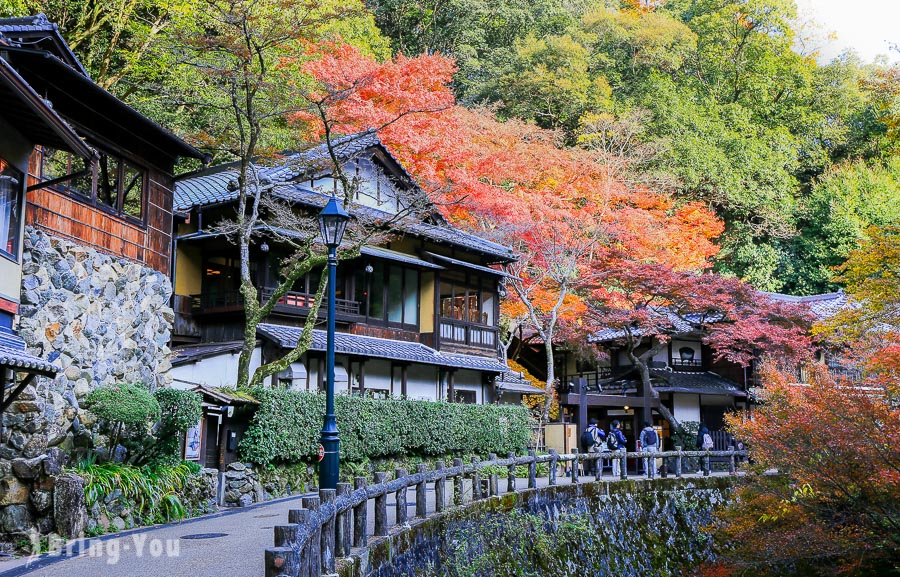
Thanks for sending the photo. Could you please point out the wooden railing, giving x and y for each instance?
(327, 526)
(290, 302)
(463, 333)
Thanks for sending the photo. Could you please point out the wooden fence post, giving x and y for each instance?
(343, 538)
(476, 480)
(301, 517)
(314, 550)
(732, 469)
(421, 495)
(554, 457)
(623, 469)
(458, 481)
(327, 497)
(598, 467)
(532, 470)
(492, 476)
(575, 467)
(440, 487)
(380, 507)
(400, 498)
(706, 464)
(280, 561)
(286, 536)
(360, 515)
(511, 474)
(678, 461)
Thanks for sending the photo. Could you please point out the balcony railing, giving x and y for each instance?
(686, 365)
(463, 333)
(217, 301)
(302, 301)
(290, 302)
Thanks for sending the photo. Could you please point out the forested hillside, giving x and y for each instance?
(697, 101)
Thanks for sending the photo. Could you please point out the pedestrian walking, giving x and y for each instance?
(616, 443)
(649, 444)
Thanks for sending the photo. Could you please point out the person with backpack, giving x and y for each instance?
(649, 444)
(615, 444)
(704, 439)
(591, 440)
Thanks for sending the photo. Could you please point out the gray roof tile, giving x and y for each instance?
(373, 347)
(211, 187)
(695, 382)
(14, 356)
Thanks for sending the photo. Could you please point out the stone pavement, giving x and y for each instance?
(172, 551)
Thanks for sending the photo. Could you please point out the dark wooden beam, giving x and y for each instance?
(5, 403)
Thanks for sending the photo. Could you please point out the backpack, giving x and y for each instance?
(612, 443)
(707, 442)
(587, 440)
(651, 438)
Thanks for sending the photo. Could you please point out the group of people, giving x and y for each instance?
(596, 440)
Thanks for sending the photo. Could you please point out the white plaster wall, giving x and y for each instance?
(218, 371)
(678, 344)
(378, 375)
(421, 382)
(469, 381)
(686, 407)
(663, 355)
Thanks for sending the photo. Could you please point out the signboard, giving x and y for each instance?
(192, 443)
(321, 452)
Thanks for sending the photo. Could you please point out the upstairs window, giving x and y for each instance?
(11, 181)
(110, 182)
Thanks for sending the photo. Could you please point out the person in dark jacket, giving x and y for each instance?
(649, 443)
(617, 447)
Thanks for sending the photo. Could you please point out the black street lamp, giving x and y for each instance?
(332, 223)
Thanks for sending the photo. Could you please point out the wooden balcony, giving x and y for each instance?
(466, 334)
(686, 365)
(292, 303)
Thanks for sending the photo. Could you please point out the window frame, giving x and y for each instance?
(472, 287)
(93, 199)
(17, 214)
(366, 303)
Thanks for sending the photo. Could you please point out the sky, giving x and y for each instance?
(867, 26)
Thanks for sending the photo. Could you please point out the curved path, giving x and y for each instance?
(171, 551)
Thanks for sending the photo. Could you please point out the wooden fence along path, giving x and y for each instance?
(327, 526)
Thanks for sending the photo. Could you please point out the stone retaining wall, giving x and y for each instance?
(101, 320)
(652, 526)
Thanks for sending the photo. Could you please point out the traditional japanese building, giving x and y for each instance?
(692, 384)
(87, 190)
(417, 316)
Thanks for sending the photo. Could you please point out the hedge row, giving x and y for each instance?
(285, 428)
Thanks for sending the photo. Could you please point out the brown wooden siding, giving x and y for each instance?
(61, 215)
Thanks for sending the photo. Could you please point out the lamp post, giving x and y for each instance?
(332, 223)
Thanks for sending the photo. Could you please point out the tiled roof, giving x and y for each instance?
(14, 356)
(513, 382)
(212, 188)
(682, 326)
(31, 31)
(347, 344)
(694, 382)
(192, 353)
(822, 306)
(36, 23)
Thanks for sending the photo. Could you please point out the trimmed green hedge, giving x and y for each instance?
(285, 428)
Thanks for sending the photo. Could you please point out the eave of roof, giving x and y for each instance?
(30, 27)
(26, 110)
(372, 347)
(76, 92)
(13, 355)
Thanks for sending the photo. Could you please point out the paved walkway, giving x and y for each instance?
(170, 550)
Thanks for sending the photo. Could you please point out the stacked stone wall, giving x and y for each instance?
(101, 320)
